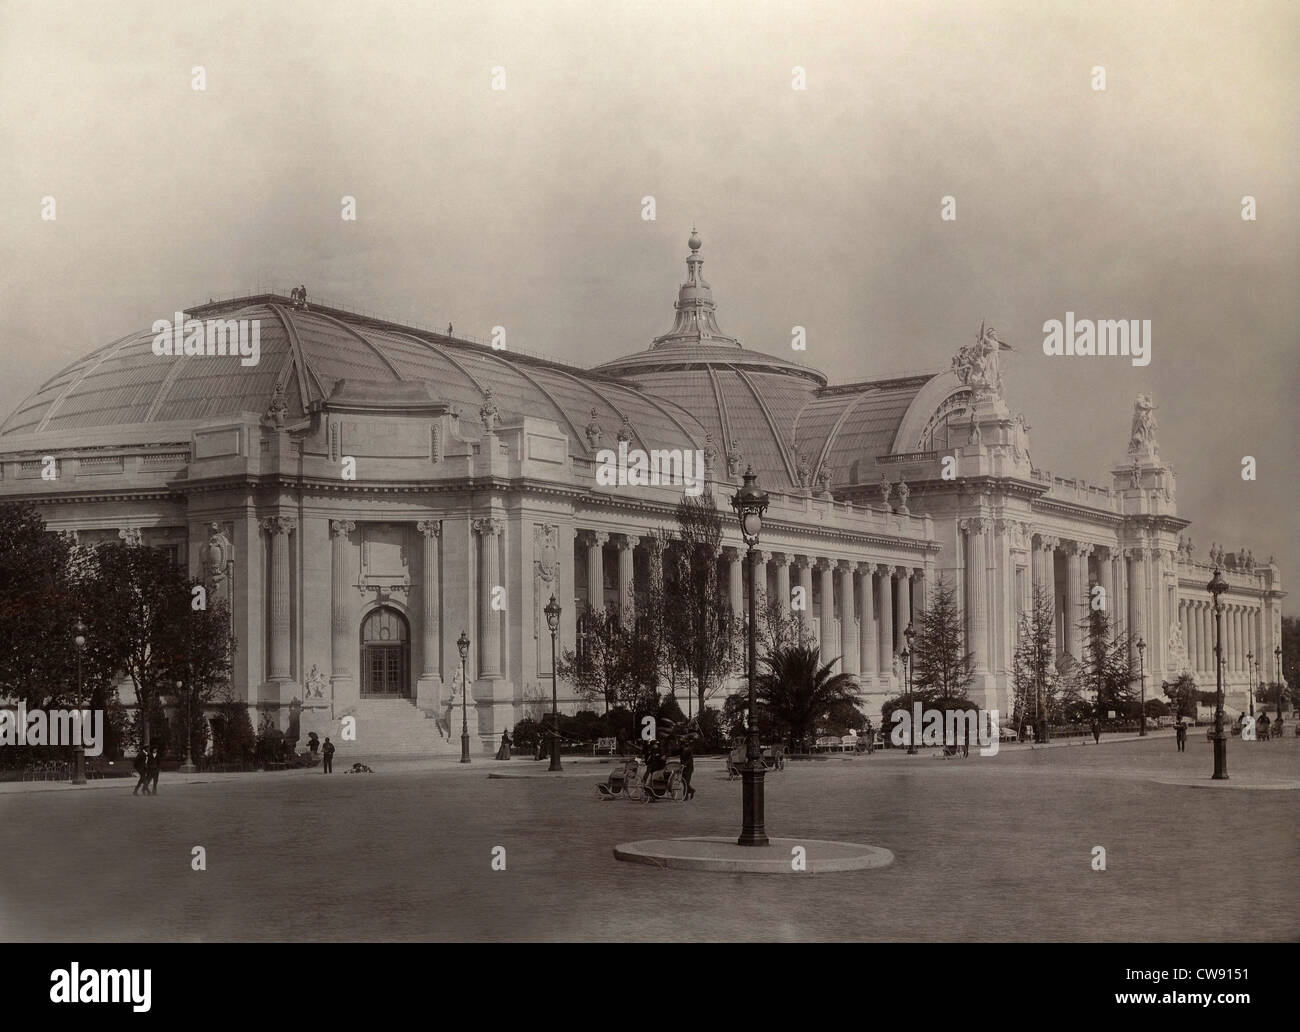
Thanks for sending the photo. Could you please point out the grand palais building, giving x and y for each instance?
(472, 497)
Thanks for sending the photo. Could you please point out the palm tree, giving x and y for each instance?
(796, 690)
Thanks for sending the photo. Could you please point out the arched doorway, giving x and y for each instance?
(385, 655)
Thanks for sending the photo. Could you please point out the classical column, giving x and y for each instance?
(976, 530)
(279, 528)
(903, 617)
(342, 639)
(828, 638)
(595, 541)
(431, 531)
(735, 580)
(489, 622)
(868, 634)
(1073, 593)
(885, 659)
(627, 578)
(1049, 589)
(1108, 591)
(1239, 653)
(782, 561)
(848, 620)
(1207, 637)
(804, 564)
(1138, 594)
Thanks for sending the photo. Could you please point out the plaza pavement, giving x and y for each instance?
(986, 848)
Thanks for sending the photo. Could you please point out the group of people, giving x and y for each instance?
(655, 759)
(326, 751)
(148, 764)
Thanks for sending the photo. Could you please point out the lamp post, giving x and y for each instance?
(908, 651)
(188, 766)
(1277, 676)
(1142, 676)
(1217, 587)
(750, 503)
(1250, 674)
(552, 612)
(462, 643)
(79, 748)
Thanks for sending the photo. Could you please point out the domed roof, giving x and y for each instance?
(696, 340)
(305, 352)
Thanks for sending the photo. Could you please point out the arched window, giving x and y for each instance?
(385, 654)
(950, 424)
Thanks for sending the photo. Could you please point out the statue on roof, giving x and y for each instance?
(278, 409)
(710, 454)
(1142, 435)
(824, 480)
(903, 492)
(976, 365)
(625, 431)
(734, 458)
(594, 431)
(802, 471)
(489, 412)
(886, 489)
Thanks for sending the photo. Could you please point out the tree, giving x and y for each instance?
(1182, 695)
(138, 609)
(701, 630)
(1035, 677)
(797, 690)
(941, 669)
(596, 666)
(39, 607)
(1105, 669)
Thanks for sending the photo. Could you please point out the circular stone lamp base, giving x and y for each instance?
(1241, 781)
(779, 856)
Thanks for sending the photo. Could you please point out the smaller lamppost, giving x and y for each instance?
(188, 766)
(1142, 677)
(909, 635)
(552, 612)
(1277, 676)
(79, 747)
(462, 643)
(1250, 680)
(1217, 587)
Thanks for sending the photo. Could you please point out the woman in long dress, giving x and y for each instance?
(504, 752)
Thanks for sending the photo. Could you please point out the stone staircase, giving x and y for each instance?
(396, 727)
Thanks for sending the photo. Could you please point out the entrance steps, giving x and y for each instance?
(396, 727)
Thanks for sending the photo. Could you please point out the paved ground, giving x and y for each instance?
(985, 848)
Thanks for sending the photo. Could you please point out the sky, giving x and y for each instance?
(819, 207)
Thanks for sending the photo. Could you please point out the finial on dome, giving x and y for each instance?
(694, 242)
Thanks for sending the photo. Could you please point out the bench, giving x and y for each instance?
(608, 746)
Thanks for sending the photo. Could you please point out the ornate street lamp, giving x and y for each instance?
(1142, 675)
(462, 643)
(79, 748)
(908, 651)
(1277, 676)
(1217, 587)
(1250, 674)
(750, 503)
(552, 612)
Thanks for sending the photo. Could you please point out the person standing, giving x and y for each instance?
(142, 770)
(504, 752)
(153, 768)
(1096, 730)
(688, 765)
(327, 755)
(1180, 732)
